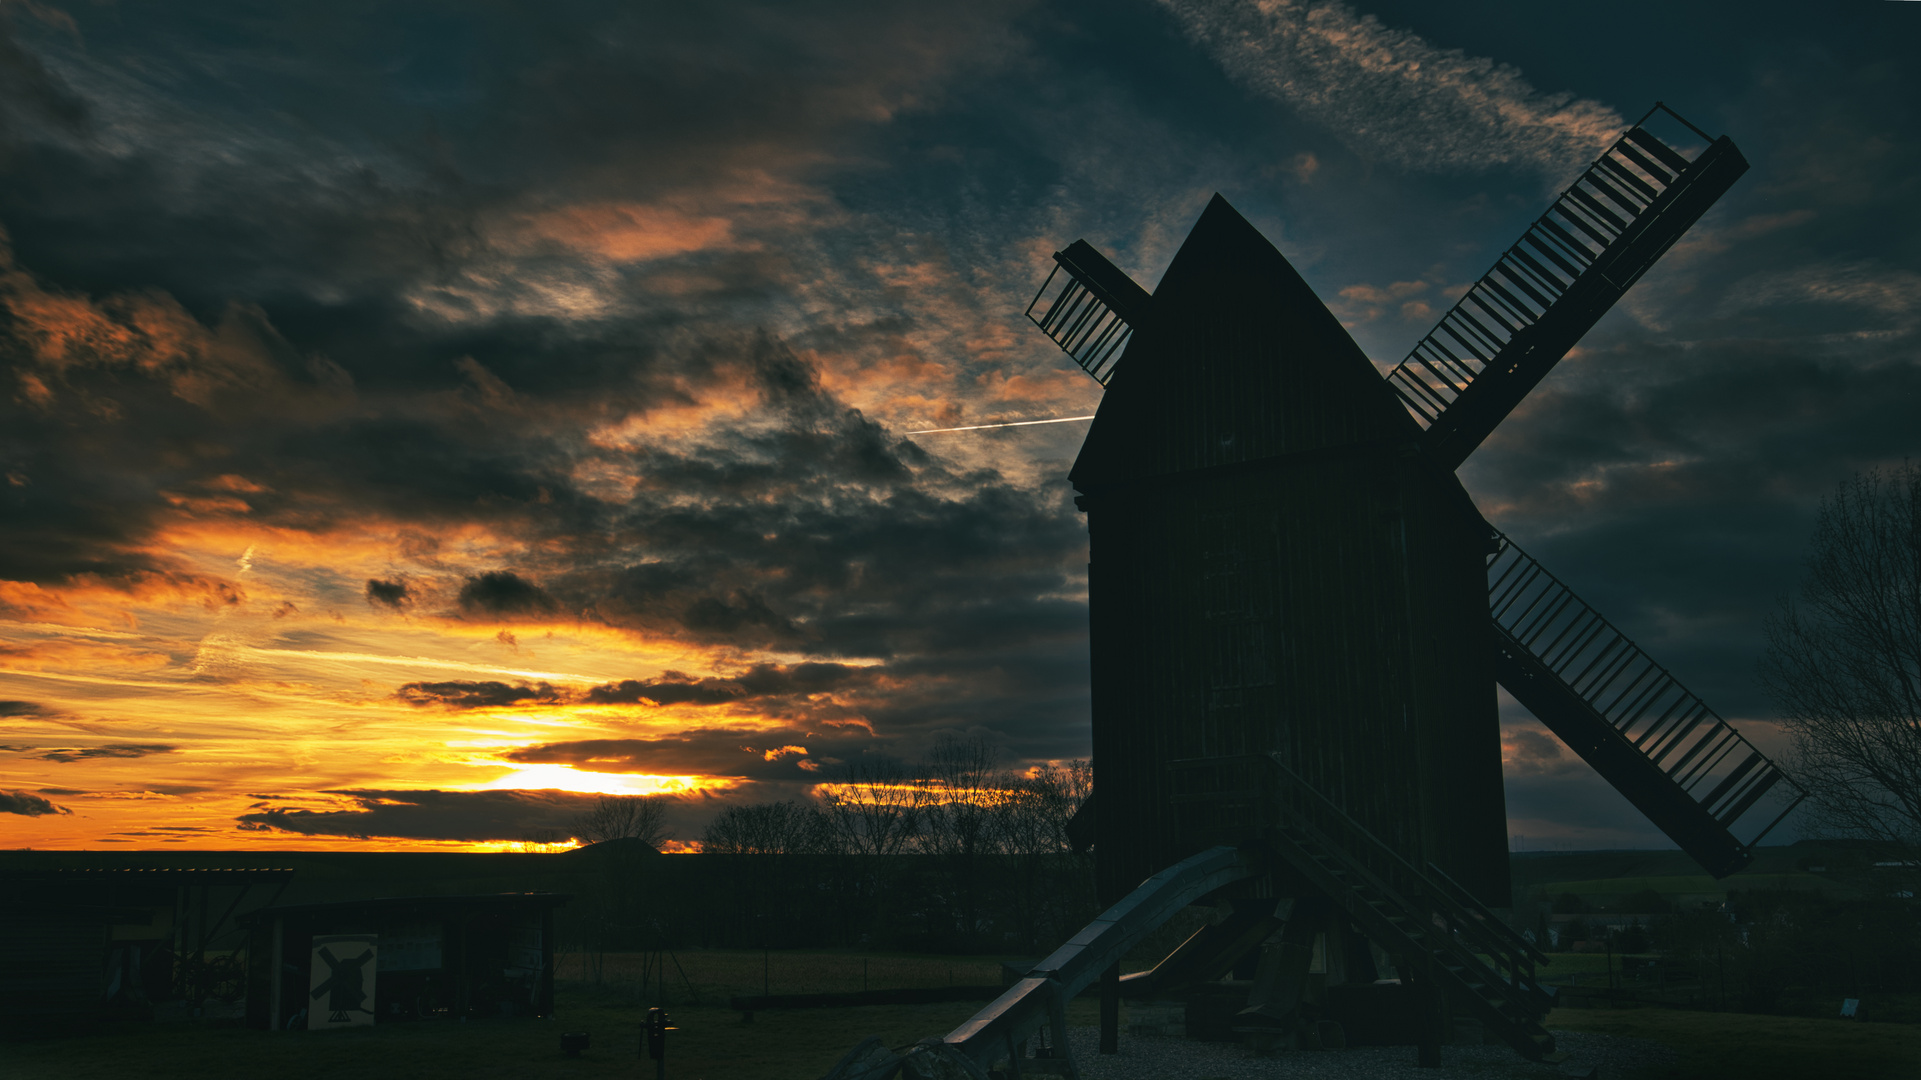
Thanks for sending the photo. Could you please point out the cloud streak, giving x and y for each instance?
(27, 804)
(1392, 96)
(745, 754)
(472, 816)
(119, 750)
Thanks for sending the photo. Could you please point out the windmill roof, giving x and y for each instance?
(1237, 362)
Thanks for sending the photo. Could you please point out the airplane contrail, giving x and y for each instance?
(1017, 423)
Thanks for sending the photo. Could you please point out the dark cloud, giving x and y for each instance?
(296, 345)
(391, 594)
(122, 750)
(28, 804)
(164, 829)
(673, 688)
(475, 695)
(770, 686)
(779, 754)
(430, 815)
(762, 681)
(503, 592)
(29, 93)
(12, 709)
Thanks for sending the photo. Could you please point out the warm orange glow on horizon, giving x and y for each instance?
(568, 778)
(161, 712)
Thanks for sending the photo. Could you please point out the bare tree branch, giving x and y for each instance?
(622, 817)
(873, 807)
(776, 828)
(1844, 663)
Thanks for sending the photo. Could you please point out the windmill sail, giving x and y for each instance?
(1675, 759)
(1093, 313)
(1556, 282)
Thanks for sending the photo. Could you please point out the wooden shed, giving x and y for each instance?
(439, 956)
(87, 944)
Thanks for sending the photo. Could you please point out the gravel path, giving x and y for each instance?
(1148, 1057)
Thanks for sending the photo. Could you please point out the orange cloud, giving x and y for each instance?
(625, 232)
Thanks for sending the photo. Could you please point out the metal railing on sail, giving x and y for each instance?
(1082, 324)
(1587, 219)
(1638, 698)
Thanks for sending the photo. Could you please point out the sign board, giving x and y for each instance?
(341, 990)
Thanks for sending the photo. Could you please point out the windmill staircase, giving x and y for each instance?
(1443, 936)
(1675, 759)
(1554, 283)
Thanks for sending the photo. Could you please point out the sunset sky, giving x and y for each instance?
(416, 418)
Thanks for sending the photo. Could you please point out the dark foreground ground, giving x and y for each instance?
(714, 1044)
(608, 1001)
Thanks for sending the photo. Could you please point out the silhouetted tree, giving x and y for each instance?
(1844, 663)
(623, 817)
(873, 813)
(622, 830)
(770, 895)
(774, 828)
(1052, 890)
(960, 820)
(873, 807)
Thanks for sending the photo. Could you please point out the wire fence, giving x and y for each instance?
(717, 974)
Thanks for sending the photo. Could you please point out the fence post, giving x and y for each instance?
(1111, 1009)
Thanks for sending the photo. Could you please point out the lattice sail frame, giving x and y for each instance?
(1644, 708)
(1093, 314)
(1550, 287)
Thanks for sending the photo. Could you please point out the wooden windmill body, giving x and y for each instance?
(1299, 618)
(1276, 568)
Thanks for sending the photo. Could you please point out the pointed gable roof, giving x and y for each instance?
(1237, 362)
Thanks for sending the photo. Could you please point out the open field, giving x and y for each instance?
(1734, 1046)
(1694, 888)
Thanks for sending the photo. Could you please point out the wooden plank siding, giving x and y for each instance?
(1276, 567)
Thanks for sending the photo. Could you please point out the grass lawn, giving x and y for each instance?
(712, 1043)
(1733, 1046)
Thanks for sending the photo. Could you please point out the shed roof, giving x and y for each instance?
(413, 903)
(154, 875)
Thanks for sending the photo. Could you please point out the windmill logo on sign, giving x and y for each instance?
(343, 980)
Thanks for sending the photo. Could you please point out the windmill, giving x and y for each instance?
(1298, 618)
